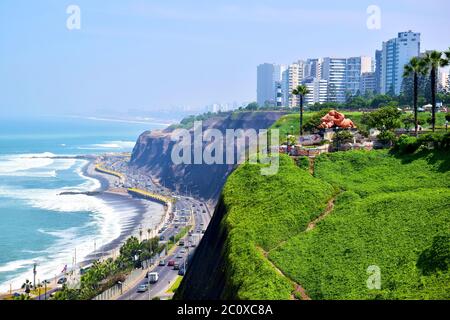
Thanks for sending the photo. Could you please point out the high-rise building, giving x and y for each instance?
(334, 71)
(442, 80)
(378, 70)
(313, 68)
(355, 67)
(368, 83)
(396, 53)
(268, 75)
(291, 79)
(318, 89)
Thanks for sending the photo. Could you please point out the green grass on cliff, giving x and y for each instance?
(262, 212)
(393, 213)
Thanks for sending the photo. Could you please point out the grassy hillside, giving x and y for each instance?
(391, 213)
(257, 222)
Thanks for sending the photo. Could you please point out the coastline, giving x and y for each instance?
(146, 217)
(142, 215)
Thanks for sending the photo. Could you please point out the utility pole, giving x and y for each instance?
(34, 275)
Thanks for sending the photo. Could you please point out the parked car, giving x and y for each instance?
(203, 231)
(62, 280)
(162, 238)
(142, 288)
(181, 243)
(162, 263)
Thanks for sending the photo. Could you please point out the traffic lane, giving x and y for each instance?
(132, 293)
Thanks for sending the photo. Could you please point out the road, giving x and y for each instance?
(184, 208)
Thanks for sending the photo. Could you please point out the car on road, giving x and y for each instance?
(181, 243)
(162, 238)
(142, 288)
(162, 263)
(153, 277)
(171, 263)
(203, 231)
(181, 272)
(176, 266)
(62, 280)
(179, 255)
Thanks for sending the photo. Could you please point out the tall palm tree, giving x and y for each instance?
(415, 67)
(301, 91)
(434, 60)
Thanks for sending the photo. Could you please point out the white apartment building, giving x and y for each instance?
(396, 53)
(292, 78)
(318, 90)
(334, 71)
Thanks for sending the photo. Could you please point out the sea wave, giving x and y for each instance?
(10, 164)
(109, 145)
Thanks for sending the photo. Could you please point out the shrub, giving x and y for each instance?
(387, 137)
(406, 144)
(437, 257)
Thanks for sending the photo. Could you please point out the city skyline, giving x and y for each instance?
(143, 55)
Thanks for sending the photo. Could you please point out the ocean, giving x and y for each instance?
(37, 224)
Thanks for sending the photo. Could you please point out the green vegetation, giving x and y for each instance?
(105, 274)
(393, 212)
(175, 285)
(256, 223)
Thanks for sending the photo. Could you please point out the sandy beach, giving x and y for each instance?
(149, 214)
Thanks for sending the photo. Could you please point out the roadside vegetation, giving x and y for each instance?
(102, 275)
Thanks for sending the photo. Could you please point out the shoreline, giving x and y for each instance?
(107, 193)
(148, 214)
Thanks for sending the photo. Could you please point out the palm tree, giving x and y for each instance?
(301, 91)
(434, 60)
(415, 67)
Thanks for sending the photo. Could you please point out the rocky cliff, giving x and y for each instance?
(153, 151)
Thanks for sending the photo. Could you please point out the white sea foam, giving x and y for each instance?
(109, 145)
(108, 218)
(19, 163)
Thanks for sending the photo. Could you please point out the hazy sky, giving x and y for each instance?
(140, 54)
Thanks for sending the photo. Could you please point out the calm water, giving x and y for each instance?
(36, 223)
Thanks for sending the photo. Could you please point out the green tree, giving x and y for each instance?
(301, 91)
(434, 60)
(384, 119)
(252, 106)
(415, 68)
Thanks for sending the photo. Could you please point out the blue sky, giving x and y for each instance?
(153, 55)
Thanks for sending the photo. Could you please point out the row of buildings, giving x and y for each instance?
(334, 79)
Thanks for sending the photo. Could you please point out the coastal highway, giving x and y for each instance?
(184, 207)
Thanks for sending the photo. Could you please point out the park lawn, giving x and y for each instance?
(390, 212)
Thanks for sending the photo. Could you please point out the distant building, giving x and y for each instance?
(396, 53)
(313, 68)
(378, 70)
(318, 90)
(443, 78)
(268, 75)
(334, 71)
(368, 83)
(355, 67)
(291, 79)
